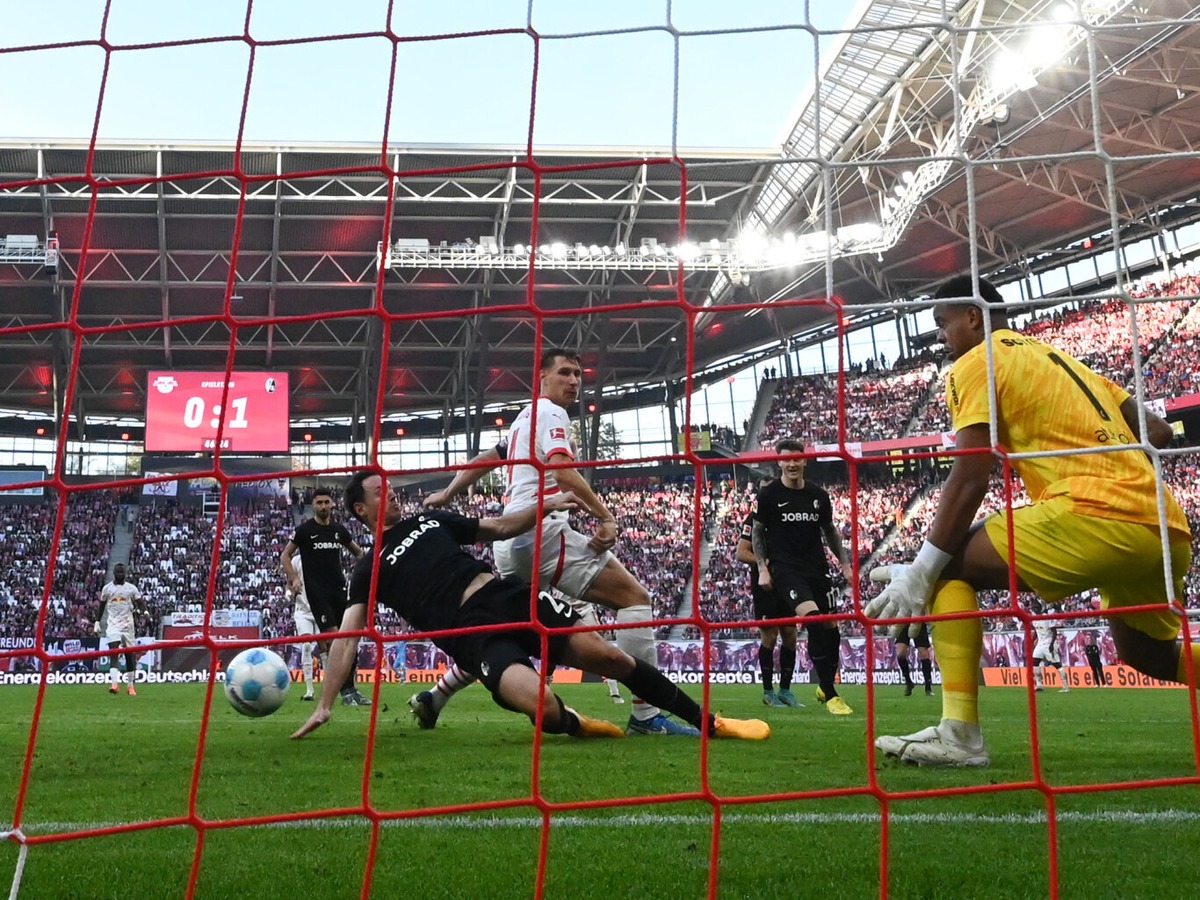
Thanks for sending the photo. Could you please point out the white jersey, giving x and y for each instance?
(1046, 647)
(119, 599)
(525, 482)
(300, 599)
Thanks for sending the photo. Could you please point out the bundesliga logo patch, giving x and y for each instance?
(558, 434)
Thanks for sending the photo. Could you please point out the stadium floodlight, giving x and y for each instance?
(518, 249)
(687, 251)
(620, 249)
(1010, 72)
(594, 250)
(558, 250)
(861, 233)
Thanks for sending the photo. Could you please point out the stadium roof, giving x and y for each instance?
(214, 243)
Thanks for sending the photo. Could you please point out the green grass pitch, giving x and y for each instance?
(111, 760)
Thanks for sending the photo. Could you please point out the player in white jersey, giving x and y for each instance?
(1045, 653)
(115, 622)
(579, 566)
(306, 623)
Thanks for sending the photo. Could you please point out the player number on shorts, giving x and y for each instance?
(1087, 392)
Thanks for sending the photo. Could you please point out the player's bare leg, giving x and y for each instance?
(617, 589)
(131, 673)
(590, 652)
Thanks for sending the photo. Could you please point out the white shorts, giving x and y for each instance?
(567, 563)
(1046, 654)
(120, 637)
(306, 623)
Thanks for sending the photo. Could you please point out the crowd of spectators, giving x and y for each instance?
(877, 405)
(79, 572)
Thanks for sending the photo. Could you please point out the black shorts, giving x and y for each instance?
(328, 608)
(794, 587)
(920, 640)
(486, 654)
(768, 605)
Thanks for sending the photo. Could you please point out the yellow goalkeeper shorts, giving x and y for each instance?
(1060, 552)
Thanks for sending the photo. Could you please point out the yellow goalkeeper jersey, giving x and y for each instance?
(1050, 401)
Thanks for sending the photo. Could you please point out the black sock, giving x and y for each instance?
(655, 688)
(905, 669)
(787, 665)
(568, 722)
(766, 665)
(818, 652)
(927, 671)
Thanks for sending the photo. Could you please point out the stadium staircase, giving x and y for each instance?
(122, 536)
(927, 397)
(762, 406)
(685, 605)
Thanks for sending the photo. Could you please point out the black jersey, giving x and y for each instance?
(321, 553)
(794, 519)
(1092, 652)
(423, 568)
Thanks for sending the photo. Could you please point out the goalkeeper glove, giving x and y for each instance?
(909, 590)
(96, 628)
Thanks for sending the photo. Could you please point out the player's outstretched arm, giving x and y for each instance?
(512, 524)
(910, 587)
(1158, 429)
(464, 478)
(338, 661)
(569, 479)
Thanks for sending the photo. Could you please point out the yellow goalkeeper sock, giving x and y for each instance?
(958, 644)
(1182, 675)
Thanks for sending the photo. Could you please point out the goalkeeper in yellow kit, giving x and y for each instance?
(1094, 522)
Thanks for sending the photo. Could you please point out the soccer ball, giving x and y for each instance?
(257, 682)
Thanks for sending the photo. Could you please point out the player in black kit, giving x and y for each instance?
(790, 516)
(319, 541)
(426, 576)
(768, 605)
(1092, 651)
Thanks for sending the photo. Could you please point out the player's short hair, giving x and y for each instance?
(961, 286)
(354, 492)
(789, 445)
(549, 356)
(322, 492)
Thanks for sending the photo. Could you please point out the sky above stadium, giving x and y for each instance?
(605, 70)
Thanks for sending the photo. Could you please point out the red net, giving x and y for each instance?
(856, 820)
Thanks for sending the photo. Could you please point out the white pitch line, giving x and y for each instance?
(648, 820)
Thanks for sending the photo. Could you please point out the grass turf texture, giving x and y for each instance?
(104, 760)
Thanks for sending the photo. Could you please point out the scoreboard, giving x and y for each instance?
(184, 411)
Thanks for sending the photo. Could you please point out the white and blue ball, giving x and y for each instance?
(257, 682)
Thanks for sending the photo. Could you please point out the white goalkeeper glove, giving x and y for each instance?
(909, 588)
(96, 628)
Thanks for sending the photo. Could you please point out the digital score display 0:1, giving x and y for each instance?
(184, 411)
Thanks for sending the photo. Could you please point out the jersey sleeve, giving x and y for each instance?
(554, 431)
(967, 391)
(359, 590)
(748, 528)
(762, 502)
(344, 535)
(464, 529)
(826, 509)
(502, 449)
